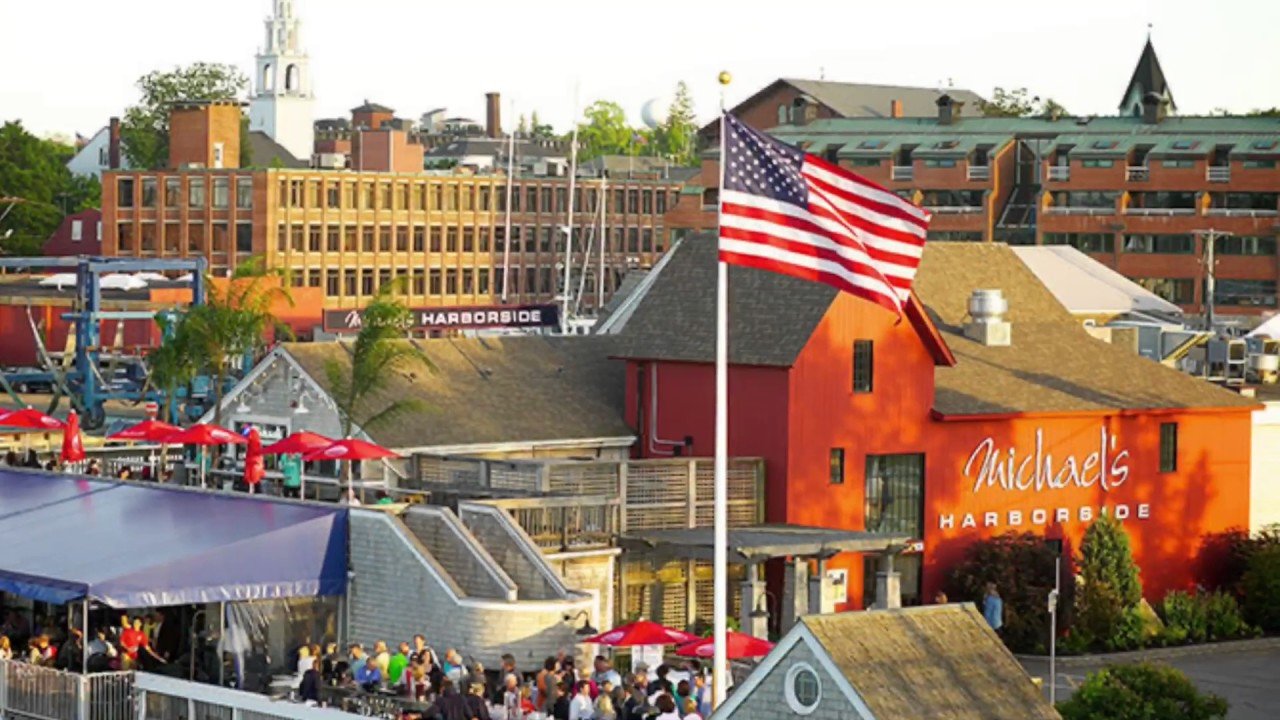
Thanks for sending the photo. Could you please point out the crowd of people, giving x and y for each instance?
(142, 642)
(447, 688)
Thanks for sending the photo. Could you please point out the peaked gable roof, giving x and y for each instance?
(264, 151)
(854, 100)
(1148, 77)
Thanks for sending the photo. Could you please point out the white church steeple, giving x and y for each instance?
(282, 100)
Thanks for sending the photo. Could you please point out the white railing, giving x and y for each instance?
(902, 172)
(165, 698)
(1070, 210)
(1160, 211)
(978, 172)
(1240, 212)
(1138, 173)
(40, 693)
(954, 209)
(1218, 173)
(1058, 172)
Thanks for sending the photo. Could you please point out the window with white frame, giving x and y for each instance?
(803, 689)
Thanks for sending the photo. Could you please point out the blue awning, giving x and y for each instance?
(65, 538)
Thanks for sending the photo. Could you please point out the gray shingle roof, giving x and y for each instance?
(865, 100)
(263, 151)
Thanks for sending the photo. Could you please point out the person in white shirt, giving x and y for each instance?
(581, 707)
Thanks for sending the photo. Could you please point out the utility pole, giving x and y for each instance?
(1209, 238)
(1053, 631)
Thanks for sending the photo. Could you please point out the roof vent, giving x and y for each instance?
(986, 319)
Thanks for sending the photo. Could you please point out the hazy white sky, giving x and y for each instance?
(72, 63)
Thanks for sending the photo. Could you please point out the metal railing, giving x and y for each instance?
(1138, 173)
(563, 524)
(955, 209)
(165, 698)
(40, 693)
(1057, 172)
(1073, 210)
(978, 172)
(1166, 212)
(902, 172)
(1218, 173)
(1240, 212)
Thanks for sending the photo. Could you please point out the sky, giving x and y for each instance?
(71, 64)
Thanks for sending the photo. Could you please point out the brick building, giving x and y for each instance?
(349, 232)
(1137, 191)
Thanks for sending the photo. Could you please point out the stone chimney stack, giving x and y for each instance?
(493, 115)
(895, 108)
(113, 144)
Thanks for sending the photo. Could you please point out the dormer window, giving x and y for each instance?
(870, 144)
(947, 144)
(1104, 144)
(1264, 144)
(1184, 145)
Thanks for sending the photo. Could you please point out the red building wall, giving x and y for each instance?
(90, 242)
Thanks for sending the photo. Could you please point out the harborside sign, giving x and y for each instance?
(1048, 481)
(456, 318)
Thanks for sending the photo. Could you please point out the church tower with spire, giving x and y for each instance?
(1147, 79)
(282, 99)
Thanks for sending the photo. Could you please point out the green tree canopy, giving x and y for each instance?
(604, 131)
(1018, 103)
(1105, 557)
(34, 171)
(144, 131)
(677, 136)
(1141, 692)
(537, 129)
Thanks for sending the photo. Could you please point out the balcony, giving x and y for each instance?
(1138, 173)
(1240, 212)
(902, 172)
(1160, 212)
(1218, 173)
(978, 172)
(1079, 210)
(1058, 173)
(953, 209)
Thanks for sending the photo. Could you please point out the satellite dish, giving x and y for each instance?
(654, 111)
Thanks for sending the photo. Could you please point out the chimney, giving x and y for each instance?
(1153, 108)
(113, 144)
(986, 324)
(895, 108)
(204, 133)
(948, 110)
(493, 115)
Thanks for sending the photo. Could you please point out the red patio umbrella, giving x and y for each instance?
(30, 418)
(350, 449)
(740, 645)
(254, 467)
(72, 443)
(299, 443)
(203, 435)
(641, 632)
(146, 431)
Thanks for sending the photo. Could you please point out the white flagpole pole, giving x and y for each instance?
(720, 665)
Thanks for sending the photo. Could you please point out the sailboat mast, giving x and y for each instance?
(568, 235)
(604, 239)
(506, 224)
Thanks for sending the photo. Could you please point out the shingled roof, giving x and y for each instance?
(854, 100)
(1053, 365)
(941, 662)
(493, 390)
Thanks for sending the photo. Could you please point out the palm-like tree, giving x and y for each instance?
(171, 365)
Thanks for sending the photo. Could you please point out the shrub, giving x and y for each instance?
(1261, 588)
(1105, 557)
(1224, 557)
(1223, 616)
(1141, 692)
(1021, 565)
(1184, 617)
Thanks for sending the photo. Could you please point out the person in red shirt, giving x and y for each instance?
(131, 639)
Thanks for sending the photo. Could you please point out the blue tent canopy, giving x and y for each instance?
(65, 538)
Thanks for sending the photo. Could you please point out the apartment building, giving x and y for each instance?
(1142, 191)
(350, 232)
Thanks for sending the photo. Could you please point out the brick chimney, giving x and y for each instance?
(493, 115)
(895, 108)
(204, 134)
(113, 144)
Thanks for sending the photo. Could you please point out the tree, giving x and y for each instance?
(1016, 103)
(232, 324)
(1107, 611)
(1022, 567)
(144, 131)
(1143, 691)
(522, 126)
(539, 130)
(172, 365)
(604, 131)
(1261, 587)
(677, 137)
(34, 171)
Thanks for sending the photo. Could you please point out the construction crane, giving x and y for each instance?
(81, 381)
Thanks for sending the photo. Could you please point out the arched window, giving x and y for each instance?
(783, 115)
(292, 78)
(268, 79)
(1137, 109)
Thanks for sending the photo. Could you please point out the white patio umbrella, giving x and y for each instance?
(151, 277)
(121, 281)
(59, 280)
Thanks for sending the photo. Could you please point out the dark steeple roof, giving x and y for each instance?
(1148, 77)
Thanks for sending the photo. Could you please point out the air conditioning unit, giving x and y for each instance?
(329, 161)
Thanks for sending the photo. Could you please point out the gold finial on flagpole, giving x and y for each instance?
(725, 77)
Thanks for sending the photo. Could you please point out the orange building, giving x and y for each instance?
(935, 427)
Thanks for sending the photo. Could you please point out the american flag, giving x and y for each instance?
(790, 212)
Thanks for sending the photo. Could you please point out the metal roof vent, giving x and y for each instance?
(986, 319)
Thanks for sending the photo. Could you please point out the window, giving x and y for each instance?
(1086, 199)
(1255, 164)
(895, 494)
(349, 239)
(244, 238)
(195, 192)
(124, 192)
(418, 285)
(436, 232)
(863, 365)
(1245, 201)
(384, 239)
(1170, 164)
(77, 230)
(331, 283)
(221, 190)
(172, 192)
(434, 286)
(1160, 244)
(908, 568)
(332, 195)
(402, 239)
(1097, 163)
(124, 236)
(148, 192)
(314, 234)
(835, 470)
(385, 196)
(482, 281)
(1180, 291)
(803, 690)
(1084, 242)
(865, 162)
(419, 239)
(451, 281)
(1245, 245)
(955, 236)
(451, 239)
(217, 155)
(940, 162)
(333, 239)
(1163, 200)
(1245, 293)
(1169, 447)
(952, 198)
(244, 192)
(366, 281)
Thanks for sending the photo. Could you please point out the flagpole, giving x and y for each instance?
(720, 668)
